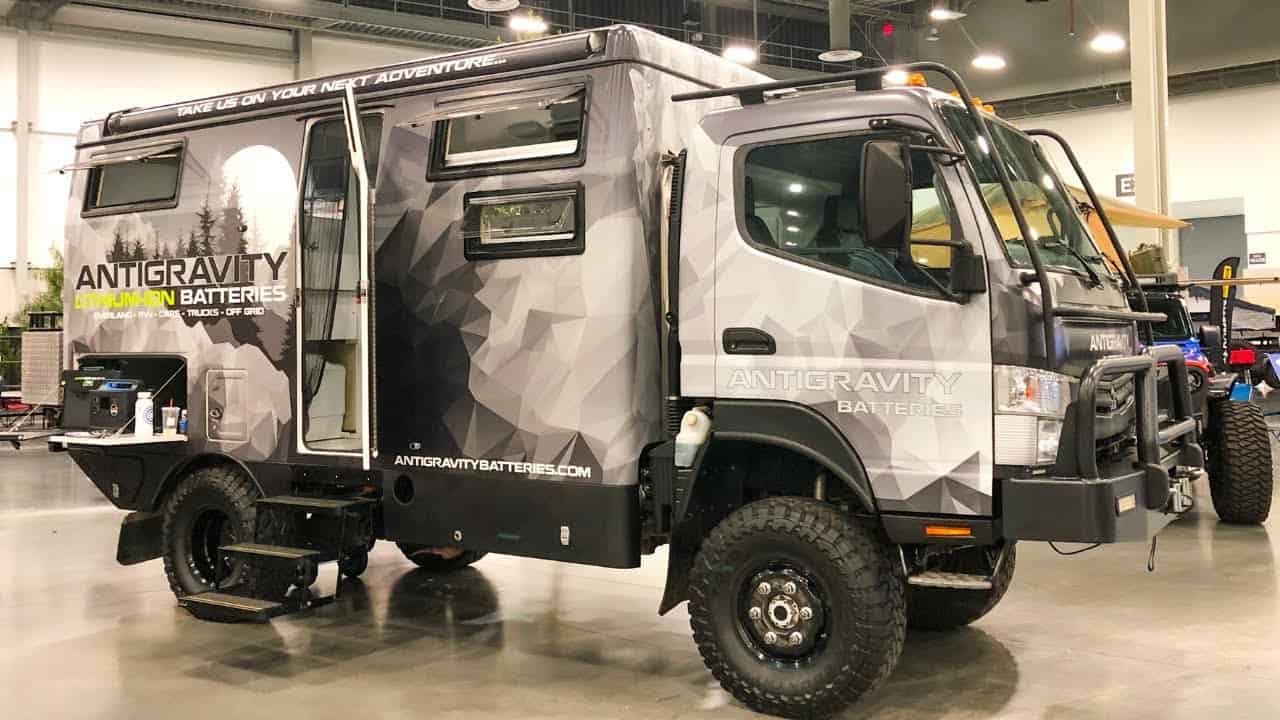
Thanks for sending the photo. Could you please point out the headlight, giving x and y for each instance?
(1030, 405)
(1030, 391)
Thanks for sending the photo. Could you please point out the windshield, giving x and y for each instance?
(1177, 324)
(1052, 215)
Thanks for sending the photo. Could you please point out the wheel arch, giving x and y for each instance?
(784, 429)
(189, 464)
(799, 429)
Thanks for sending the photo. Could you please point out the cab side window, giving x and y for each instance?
(800, 199)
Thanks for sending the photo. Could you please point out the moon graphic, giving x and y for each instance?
(268, 192)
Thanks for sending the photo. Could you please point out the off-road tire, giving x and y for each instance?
(223, 489)
(944, 609)
(435, 563)
(864, 606)
(1239, 462)
(354, 564)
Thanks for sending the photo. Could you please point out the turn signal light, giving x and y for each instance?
(1241, 357)
(947, 531)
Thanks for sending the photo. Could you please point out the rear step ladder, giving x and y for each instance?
(285, 563)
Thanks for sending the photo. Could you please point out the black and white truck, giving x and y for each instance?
(467, 305)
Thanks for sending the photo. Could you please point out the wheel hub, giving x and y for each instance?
(782, 613)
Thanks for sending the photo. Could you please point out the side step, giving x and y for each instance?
(274, 552)
(223, 607)
(311, 504)
(950, 581)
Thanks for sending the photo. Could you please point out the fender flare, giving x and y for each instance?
(185, 464)
(792, 426)
(800, 429)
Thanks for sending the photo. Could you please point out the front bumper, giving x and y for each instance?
(1127, 498)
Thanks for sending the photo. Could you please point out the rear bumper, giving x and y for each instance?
(1130, 498)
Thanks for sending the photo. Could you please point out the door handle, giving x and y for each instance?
(748, 341)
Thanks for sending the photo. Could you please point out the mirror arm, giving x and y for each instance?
(951, 156)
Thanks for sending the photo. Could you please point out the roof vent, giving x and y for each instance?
(493, 5)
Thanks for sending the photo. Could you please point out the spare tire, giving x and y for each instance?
(211, 507)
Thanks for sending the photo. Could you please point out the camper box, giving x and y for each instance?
(512, 321)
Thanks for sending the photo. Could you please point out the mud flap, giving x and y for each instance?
(140, 538)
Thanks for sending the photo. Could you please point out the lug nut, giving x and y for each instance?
(770, 638)
(764, 588)
(754, 613)
(796, 638)
(789, 588)
(806, 613)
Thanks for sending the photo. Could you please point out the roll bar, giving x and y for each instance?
(1106, 223)
(754, 94)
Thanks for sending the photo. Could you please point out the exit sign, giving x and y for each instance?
(1125, 186)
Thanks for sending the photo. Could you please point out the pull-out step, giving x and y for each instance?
(312, 504)
(950, 580)
(274, 552)
(224, 607)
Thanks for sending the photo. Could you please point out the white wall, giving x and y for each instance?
(1223, 145)
(78, 79)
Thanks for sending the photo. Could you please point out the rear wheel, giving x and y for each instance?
(421, 556)
(1239, 462)
(211, 507)
(796, 609)
(930, 608)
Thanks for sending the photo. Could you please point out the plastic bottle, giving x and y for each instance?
(695, 426)
(182, 422)
(144, 416)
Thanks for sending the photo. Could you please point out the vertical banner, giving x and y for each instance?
(1222, 302)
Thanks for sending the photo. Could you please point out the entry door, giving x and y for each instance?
(333, 273)
(806, 313)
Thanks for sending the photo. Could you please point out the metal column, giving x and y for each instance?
(304, 65)
(1149, 69)
(22, 123)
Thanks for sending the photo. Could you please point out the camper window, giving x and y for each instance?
(523, 223)
(133, 180)
(546, 130)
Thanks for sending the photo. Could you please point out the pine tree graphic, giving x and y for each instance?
(205, 221)
(193, 248)
(138, 253)
(233, 223)
(118, 252)
(157, 253)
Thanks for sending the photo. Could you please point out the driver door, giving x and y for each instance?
(868, 339)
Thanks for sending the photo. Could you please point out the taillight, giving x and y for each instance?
(1241, 357)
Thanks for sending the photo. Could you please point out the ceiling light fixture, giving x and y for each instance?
(527, 24)
(989, 61)
(796, 188)
(493, 5)
(933, 35)
(792, 228)
(839, 55)
(741, 54)
(1107, 42)
(792, 213)
(942, 13)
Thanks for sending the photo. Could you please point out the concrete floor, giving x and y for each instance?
(1093, 636)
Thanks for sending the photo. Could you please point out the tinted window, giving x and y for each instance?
(540, 130)
(145, 181)
(801, 198)
(523, 223)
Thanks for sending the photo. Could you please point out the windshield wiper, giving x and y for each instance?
(1094, 278)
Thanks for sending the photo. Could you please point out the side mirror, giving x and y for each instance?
(968, 271)
(1211, 342)
(885, 201)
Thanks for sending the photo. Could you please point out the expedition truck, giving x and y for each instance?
(582, 297)
(1221, 377)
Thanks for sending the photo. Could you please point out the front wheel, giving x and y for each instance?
(1239, 462)
(796, 609)
(930, 608)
